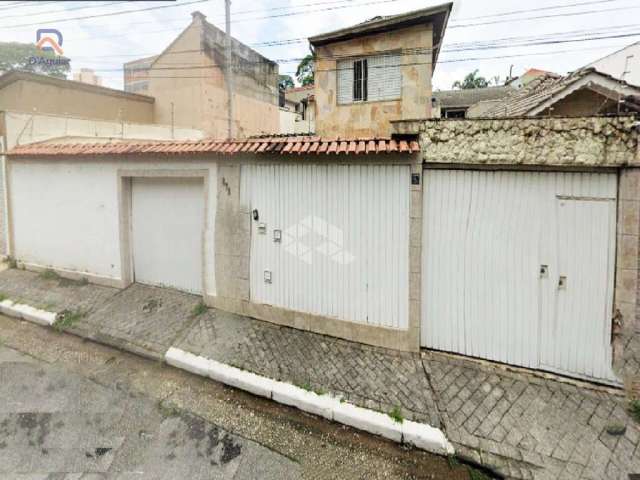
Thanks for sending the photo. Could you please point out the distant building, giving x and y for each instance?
(528, 76)
(585, 92)
(456, 103)
(87, 75)
(623, 64)
(298, 110)
(43, 94)
(136, 74)
(189, 83)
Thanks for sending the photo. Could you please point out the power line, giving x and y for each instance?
(102, 15)
(64, 10)
(470, 46)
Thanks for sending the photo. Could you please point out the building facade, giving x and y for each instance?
(376, 72)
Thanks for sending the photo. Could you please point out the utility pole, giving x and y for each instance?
(229, 69)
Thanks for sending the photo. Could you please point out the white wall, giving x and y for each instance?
(627, 59)
(344, 248)
(65, 214)
(288, 121)
(22, 128)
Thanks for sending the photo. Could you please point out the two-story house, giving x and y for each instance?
(377, 71)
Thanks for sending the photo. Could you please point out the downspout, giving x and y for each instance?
(5, 186)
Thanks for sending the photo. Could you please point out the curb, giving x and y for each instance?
(419, 435)
(27, 312)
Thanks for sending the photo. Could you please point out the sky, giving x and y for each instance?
(537, 34)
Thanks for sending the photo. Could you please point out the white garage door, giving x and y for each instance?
(518, 268)
(331, 240)
(167, 223)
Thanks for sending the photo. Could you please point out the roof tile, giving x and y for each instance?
(309, 145)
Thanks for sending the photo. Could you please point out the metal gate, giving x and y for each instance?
(518, 267)
(331, 240)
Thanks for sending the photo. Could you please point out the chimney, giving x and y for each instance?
(198, 17)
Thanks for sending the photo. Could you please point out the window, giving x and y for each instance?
(360, 80)
(373, 78)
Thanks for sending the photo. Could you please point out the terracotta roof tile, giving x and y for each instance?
(309, 145)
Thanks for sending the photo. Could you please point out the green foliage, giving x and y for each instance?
(49, 274)
(16, 56)
(472, 80)
(199, 309)
(396, 414)
(67, 318)
(12, 262)
(285, 81)
(304, 72)
(634, 409)
(168, 409)
(3, 297)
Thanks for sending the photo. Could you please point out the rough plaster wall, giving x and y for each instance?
(232, 237)
(372, 118)
(582, 102)
(199, 94)
(35, 97)
(184, 87)
(585, 141)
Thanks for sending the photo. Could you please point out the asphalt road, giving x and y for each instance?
(73, 409)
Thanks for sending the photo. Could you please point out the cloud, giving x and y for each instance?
(106, 43)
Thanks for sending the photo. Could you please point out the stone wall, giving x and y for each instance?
(371, 118)
(579, 142)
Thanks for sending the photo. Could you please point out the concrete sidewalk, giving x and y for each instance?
(518, 424)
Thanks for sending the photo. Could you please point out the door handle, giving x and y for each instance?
(562, 282)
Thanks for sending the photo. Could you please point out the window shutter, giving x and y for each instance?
(345, 81)
(385, 77)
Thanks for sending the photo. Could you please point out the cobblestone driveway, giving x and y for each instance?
(521, 425)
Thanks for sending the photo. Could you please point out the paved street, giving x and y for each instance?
(72, 409)
(521, 425)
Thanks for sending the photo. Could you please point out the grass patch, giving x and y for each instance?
(49, 274)
(168, 409)
(199, 309)
(67, 318)
(3, 297)
(453, 461)
(396, 414)
(634, 409)
(306, 386)
(477, 474)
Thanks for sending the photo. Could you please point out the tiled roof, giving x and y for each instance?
(539, 90)
(300, 145)
(469, 96)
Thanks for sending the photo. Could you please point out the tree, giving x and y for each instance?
(472, 80)
(304, 73)
(27, 57)
(285, 81)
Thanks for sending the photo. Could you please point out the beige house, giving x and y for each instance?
(377, 71)
(189, 83)
(33, 93)
(584, 92)
(301, 100)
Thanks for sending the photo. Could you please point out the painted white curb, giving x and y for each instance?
(420, 435)
(27, 312)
